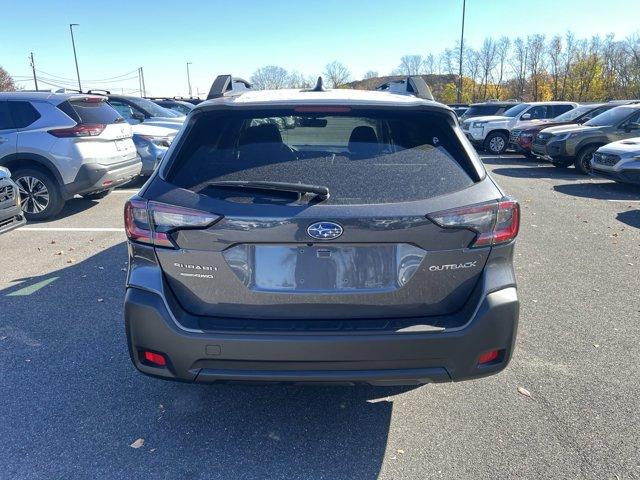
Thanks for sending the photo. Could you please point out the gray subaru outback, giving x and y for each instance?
(317, 235)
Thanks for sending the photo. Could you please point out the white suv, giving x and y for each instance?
(58, 145)
(491, 133)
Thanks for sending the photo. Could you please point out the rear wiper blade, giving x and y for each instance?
(301, 188)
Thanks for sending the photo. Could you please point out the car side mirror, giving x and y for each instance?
(526, 116)
(137, 116)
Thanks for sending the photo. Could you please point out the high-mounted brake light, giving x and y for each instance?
(322, 109)
(494, 223)
(80, 130)
(152, 222)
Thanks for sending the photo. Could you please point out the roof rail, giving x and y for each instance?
(408, 86)
(226, 84)
(98, 91)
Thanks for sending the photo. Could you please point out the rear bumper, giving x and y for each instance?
(389, 358)
(95, 177)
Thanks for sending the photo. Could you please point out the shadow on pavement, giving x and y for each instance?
(630, 217)
(549, 172)
(72, 402)
(600, 191)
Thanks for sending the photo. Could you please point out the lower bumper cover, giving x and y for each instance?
(631, 176)
(11, 218)
(389, 358)
(94, 177)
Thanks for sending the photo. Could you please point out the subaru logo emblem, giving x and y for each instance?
(324, 230)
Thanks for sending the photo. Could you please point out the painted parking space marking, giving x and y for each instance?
(31, 289)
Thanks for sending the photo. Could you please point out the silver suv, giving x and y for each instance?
(58, 145)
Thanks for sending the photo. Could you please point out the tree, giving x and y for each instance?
(487, 56)
(6, 81)
(502, 51)
(298, 80)
(370, 74)
(536, 48)
(411, 65)
(337, 74)
(270, 77)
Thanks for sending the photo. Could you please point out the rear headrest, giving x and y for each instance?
(363, 142)
(265, 133)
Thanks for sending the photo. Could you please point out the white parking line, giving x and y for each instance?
(67, 229)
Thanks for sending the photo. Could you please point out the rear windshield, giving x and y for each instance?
(93, 111)
(611, 117)
(363, 157)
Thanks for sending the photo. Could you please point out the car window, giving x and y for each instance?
(572, 114)
(371, 157)
(6, 123)
(539, 111)
(90, 110)
(516, 110)
(611, 117)
(560, 109)
(23, 114)
(152, 109)
(125, 110)
(632, 119)
(595, 112)
(481, 110)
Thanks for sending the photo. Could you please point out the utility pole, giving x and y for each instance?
(189, 79)
(140, 80)
(144, 87)
(33, 68)
(75, 56)
(464, 6)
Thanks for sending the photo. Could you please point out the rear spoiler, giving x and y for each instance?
(227, 84)
(415, 86)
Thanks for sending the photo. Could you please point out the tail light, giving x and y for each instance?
(152, 222)
(494, 223)
(80, 130)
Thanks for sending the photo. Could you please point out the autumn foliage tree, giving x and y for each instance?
(6, 81)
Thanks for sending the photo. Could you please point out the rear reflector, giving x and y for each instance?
(80, 130)
(494, 223)
(155, 358)
(152, 222)
(489, 357)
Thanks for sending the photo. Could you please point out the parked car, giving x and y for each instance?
(140, 110)
(11, 216)
(459, 108)
(191, 100)
(151, 143)
(491, 133)
(321, 236)
(178, 106)
(521, 138)
(618, 161)
(58, 145)
(575, 144)
(482, 109)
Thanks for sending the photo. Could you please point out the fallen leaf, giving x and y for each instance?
(152, 450)
(138, 443)
(100, 300)
(91, 240)
(524, 391)
(71, 260)
(71, 249)
(400, 451)
(100, 268)
(60, 252)
(52, 242)
(83, 276)
(274, 436)
(596, 345)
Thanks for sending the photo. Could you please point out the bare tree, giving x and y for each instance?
(298, 80)
(6, 81)
(270, 77)
(536, 48)
(502, 51)
(519, 65)
(554, 54)
(371, 74)
(411, 65)
(337, 74)
(487, 57)
(429, 64)
(448, 61)
(567, 60)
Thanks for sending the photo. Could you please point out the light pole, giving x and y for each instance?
(189, 79)
(73, 42)
(464, 6)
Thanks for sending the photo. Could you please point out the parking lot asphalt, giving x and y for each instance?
(72, 403)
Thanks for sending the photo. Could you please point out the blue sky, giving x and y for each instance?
(116, 37)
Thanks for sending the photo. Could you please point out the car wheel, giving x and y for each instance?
(97, 195)
(39, 194)
(495, 143)
(583, 160)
